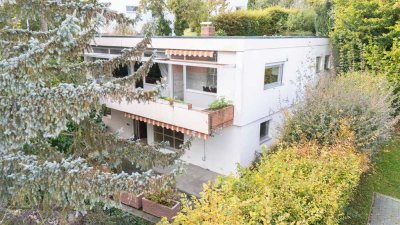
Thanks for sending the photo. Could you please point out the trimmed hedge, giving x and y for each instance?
(267, 22)
(308, 184)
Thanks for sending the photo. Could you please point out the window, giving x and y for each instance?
(318, 64)
(174, 138)
(327, 64)
(272, 75)
(264, 131)
(121, 71)
(154, 74)
(131, 9)
(201, 79)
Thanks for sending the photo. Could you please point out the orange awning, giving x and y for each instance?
(168, 126)
(189, 53)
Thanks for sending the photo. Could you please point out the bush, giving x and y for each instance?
(271, 21)
(362, 101)
(297, 185)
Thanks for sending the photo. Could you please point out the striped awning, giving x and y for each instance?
(168, 126)
(198, 53)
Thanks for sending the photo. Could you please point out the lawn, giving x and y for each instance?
(384, 177)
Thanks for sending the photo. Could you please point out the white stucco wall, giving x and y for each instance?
(243, 84)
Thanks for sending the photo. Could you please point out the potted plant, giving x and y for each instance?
(161, 203)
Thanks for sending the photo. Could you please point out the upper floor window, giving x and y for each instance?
(174, 138)
(327, 63)
(264, 131)
(273, 75)
(131, 9)
(201, 79)
(318, 64)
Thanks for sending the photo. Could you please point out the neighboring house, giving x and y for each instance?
(259, 75)
(130, 8)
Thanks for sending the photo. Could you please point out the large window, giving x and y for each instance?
(174, 138)
(272, 75)
(264, 131)
(201, 79)
(154, 74)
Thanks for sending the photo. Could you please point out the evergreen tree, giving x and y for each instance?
(48, 93)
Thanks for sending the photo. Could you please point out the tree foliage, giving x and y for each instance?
(47, 95)
(270, 21)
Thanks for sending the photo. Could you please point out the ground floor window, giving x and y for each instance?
(264, 131)
(174, 138)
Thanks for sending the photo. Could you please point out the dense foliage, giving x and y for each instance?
(308, 184)
(270, 21)
(363, 101)
(366, 35)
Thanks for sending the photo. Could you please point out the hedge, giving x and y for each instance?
(308, 184)
(270, 21)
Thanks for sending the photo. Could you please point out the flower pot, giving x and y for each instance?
(159, 210)
(130, 199)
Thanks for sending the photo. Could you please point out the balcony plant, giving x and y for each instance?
(161, 202)
(219, 104)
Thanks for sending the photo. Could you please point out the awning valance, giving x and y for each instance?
(198, 53)
(166, 125)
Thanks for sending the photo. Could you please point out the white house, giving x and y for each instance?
(130, 8)
(258, 75)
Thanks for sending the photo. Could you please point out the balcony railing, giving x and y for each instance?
(178, 114)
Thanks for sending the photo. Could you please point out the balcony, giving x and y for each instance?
(177, 116)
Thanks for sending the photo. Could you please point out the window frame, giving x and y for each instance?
(267, 137)
(214, 77)
(327, 62)
(173, 136)
(280, 75)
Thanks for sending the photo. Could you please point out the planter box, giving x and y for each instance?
(160, 210)
(132, 200)
(221, 118)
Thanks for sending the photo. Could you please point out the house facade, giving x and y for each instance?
(259, 76)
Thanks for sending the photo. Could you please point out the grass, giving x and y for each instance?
(384, 177)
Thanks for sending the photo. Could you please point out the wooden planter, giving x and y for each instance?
(159, 210)
(132, 200)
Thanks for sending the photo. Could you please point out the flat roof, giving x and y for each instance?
(214, 43)
(212, 37)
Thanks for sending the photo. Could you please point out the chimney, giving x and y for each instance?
(207, 29)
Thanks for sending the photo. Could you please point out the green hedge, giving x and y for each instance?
(270, 21)
(298, 185)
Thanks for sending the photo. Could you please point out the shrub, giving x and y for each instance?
(308, 184)
(361, 100)
(271, 21)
